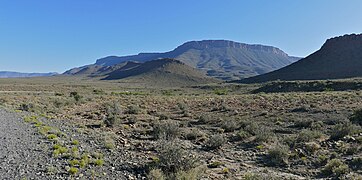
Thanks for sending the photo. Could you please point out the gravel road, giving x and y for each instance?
(26, 154)
(21, 154)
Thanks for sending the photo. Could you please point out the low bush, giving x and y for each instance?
(26, 107)
(168, 130)
(193, 134)
(172, 158)
(113, 114)
(230, 125)
(221, 91)
(156, 174)
(303, 123)
(356, 163)
(335, 167)
(278, 155)
(215, 142)
(307, 136)
(133, 109)
(341, 130)
(77, 97)
(356, 117)
(264, 134)
(242, 134)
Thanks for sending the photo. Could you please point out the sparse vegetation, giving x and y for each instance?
(227, 134)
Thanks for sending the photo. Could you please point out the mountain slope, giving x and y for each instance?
(99, 70)
(339, 57)
(10, 74)
(222, 59)
(161, 71)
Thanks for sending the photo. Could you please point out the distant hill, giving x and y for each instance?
(164, 72)
(339, 57)
(99, 70)
(9, 74)
(221, 59)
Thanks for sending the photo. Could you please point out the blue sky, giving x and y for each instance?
(55, 35)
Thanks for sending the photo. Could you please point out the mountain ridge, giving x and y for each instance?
(13, 74)
(223, 59)
(164, 72)
(339, 57)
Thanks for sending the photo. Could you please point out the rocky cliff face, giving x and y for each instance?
(208, 44)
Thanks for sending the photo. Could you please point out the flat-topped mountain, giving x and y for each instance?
(221, 59)
(10, 74)
(339, 57)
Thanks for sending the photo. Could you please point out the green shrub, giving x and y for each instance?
(57, 146)
(133, 109)
(75, 142)
(307, 136)
(264, 134)
(63, 150)
(51, 170)
(194, 134)
(173, 159)
(168, 130)
(341, 130)
(167, 92)
(312, 147)
(356, 163)
(74, 162)
(98, 91)
(52, 136)
(356, 117)
(163, 117)
(335, 167)
(322, 160)
(252, 127)
(156, 174)
(303, 123)
(98, 162)
(215, 164)
(215, 142)
(76, 96)
(221, 91)
(182, 106)
(109, 144)
(242, 134)
(73, 170)
(194, 173)
(26, 107)
(206, 119)
(259, 176)
(113, 115)
(278, 155)
(83, 163)
(230, 125)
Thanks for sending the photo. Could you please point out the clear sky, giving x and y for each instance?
(55, 35)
